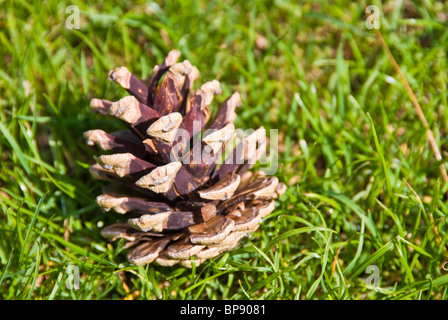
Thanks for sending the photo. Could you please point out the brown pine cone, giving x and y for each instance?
(183, 204)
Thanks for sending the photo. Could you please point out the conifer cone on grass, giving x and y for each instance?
(178, 209)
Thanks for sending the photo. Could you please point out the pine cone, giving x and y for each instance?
(182, 203)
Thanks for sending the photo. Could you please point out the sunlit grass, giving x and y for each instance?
(364, 187)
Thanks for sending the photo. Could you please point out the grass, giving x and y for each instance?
(364, 185)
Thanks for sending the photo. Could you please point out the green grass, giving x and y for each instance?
(364, 186)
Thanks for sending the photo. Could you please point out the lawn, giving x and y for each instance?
(362, 117)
